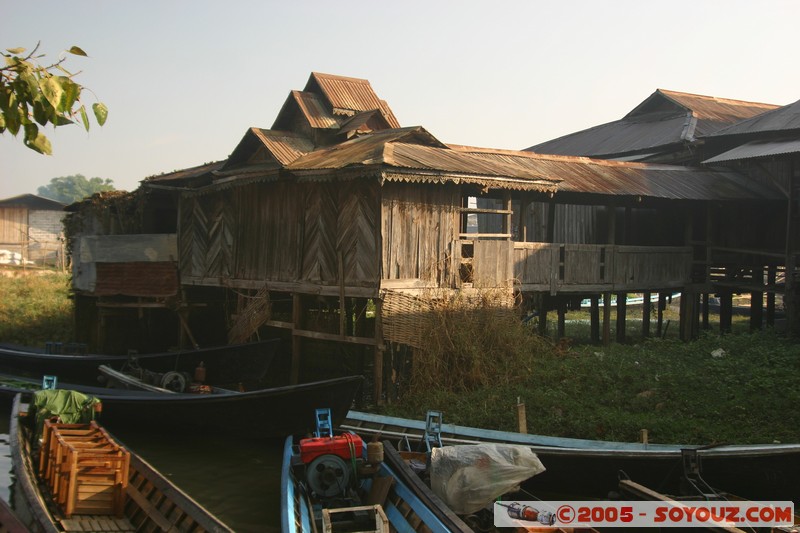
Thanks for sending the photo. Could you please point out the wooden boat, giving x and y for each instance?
(288, 409)
(149, 502)
(384, 499)
(9, 521)
(590, 468)
(171, 384)
(224, 365)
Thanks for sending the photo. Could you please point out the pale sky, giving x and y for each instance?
(183, 80)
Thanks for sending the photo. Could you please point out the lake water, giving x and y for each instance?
(236, 479)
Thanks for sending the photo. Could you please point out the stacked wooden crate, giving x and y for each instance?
(85, 469)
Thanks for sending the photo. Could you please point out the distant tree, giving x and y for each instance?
(69, 189)
(31, 93)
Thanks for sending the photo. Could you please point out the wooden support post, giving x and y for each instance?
(756, 310)
(297, 340)
(622, 315)
(662, 304)
(606, 318)
(562, 313)
(379, 351)
(689, 318)
(594, 318)
(771, 275)
(542, 325)
(706, 305)
(522, 420)
(725, 311)
(646, 314)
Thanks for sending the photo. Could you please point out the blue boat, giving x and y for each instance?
(331, 482)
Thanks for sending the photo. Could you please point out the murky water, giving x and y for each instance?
(236, 479)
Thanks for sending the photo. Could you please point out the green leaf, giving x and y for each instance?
(71, 93)
(15, 51)
(41, 144)
(52, 90)
(76, 50)
(40, 114)
(84, 117)
(100, 112)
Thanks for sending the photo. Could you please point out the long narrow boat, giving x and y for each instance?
(9, 521)
(321, 495)
(591, 467)
(224, 365)
(284, 410)
(151, 501)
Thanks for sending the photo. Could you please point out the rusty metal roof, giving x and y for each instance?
(267, 147)
(603, 177)
(416, 149)
(777, 120)
(186, 174)
(662, 122)
(348, 96)
(761, 148)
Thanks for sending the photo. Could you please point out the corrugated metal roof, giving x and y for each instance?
(349, 95)
(414, 149)
(32, 201)
(315, 110)
(186, 173)
(664, 119)
(758, 149)
(781, 119)
(285, 146)
(596, 176)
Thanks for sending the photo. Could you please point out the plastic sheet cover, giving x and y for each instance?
(470, 477)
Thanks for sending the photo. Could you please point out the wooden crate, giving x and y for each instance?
(370, 517)
(86, 470)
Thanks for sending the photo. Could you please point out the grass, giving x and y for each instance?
(35, 308)
(738, 388)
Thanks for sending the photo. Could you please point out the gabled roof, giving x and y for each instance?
(184, 176)
(268, 148)
(647, 180)
(417, 150)
(663, 122)
(32, 201)
(782, 119)
(328, 100)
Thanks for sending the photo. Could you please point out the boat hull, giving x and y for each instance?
(224, 365)
(590, 468)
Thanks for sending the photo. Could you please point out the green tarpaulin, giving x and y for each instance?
(70, 407)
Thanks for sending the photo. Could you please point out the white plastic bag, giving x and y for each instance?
(470, 477)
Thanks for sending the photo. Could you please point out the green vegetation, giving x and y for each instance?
(736, 388)
(35, 308)
(69, 189)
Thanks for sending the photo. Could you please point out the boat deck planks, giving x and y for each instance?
(97, 524)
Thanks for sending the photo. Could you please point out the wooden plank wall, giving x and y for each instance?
(283, 232)
(598, 267)
(419, 224)
(13, 225)
(575, 224)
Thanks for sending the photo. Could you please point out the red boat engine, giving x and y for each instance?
(329, 462)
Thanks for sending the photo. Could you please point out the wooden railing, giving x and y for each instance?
(600, 267)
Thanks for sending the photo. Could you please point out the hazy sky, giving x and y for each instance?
(183, 80)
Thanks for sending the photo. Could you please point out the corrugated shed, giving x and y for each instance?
(661, 123)
(755, 149)
(602, 177)
(784, 118)
(267, 149)
(146, 279)
(32, 201)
